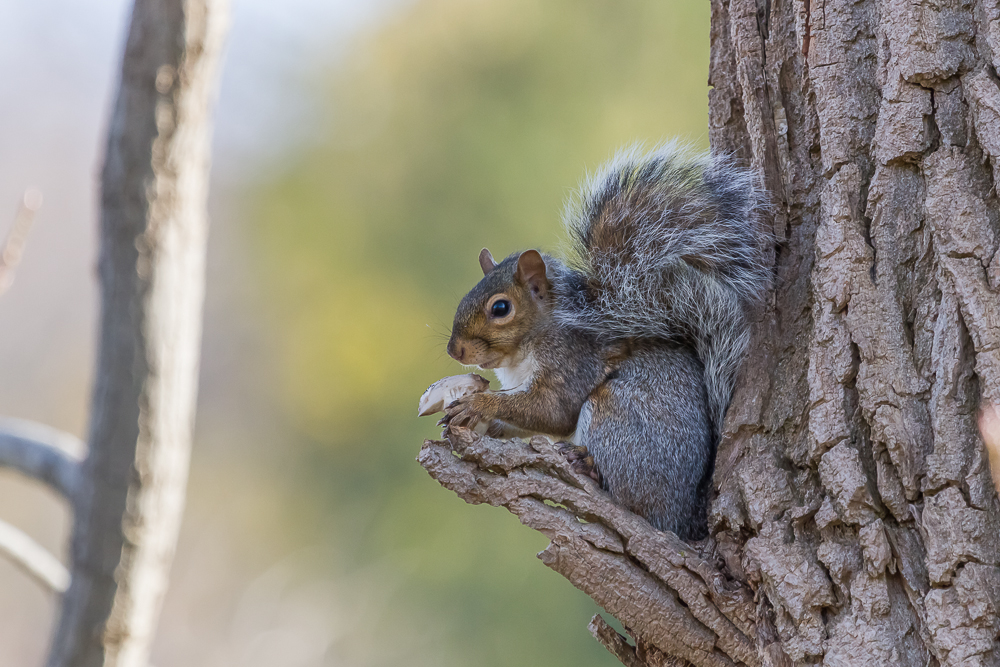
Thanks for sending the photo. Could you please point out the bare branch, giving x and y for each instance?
(614, 642)
(153, 233)
(653, 582)
(42, 453)
(33, 558)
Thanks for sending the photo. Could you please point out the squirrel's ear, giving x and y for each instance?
(486, 261)
(531, 271)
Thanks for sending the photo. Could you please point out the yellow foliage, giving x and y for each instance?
(345, 354)
(456, 125)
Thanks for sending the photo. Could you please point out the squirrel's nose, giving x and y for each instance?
(457, 351)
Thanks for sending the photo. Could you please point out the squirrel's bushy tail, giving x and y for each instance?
(671, 246)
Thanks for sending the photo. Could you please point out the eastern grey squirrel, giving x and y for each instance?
(634, 342)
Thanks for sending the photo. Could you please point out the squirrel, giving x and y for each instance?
(631, 345)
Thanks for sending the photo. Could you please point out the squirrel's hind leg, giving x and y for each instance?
(648, 430)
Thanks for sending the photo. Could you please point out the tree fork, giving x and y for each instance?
(130, 492)
(854, 513)
(658, 586)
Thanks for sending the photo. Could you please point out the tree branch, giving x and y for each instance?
(33, 558)
(42, 453)
(616, 644)
(153, 231)
(657, 585)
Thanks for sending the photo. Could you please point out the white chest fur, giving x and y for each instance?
(517, 376)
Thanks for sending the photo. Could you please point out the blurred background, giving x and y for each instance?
(364, 152)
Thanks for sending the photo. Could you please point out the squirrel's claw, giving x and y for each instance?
(580, 460)
(460, 413)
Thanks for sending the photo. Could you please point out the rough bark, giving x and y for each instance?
(655, 584)
(853, 483)
(153, 235)
(855, 522)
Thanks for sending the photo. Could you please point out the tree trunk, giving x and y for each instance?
(855, 521)
(153, 233)
(853, 485)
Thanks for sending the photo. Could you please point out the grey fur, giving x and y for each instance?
(638, 338)
(651, 438)
(667, 250)
(693, 257)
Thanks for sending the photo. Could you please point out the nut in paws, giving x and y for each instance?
(466, 412)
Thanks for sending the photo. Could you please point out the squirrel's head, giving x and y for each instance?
(511, 301)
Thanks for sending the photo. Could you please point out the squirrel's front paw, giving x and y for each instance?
(581, 460)
(466, 412)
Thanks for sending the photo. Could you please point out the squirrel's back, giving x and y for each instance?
(670, 246)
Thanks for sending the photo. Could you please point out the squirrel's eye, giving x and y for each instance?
(500, 309)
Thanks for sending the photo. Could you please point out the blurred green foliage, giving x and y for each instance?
(457, 124)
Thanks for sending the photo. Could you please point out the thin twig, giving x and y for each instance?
(13, 246)
(42, 453)
(612, 640)
(33, 558)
